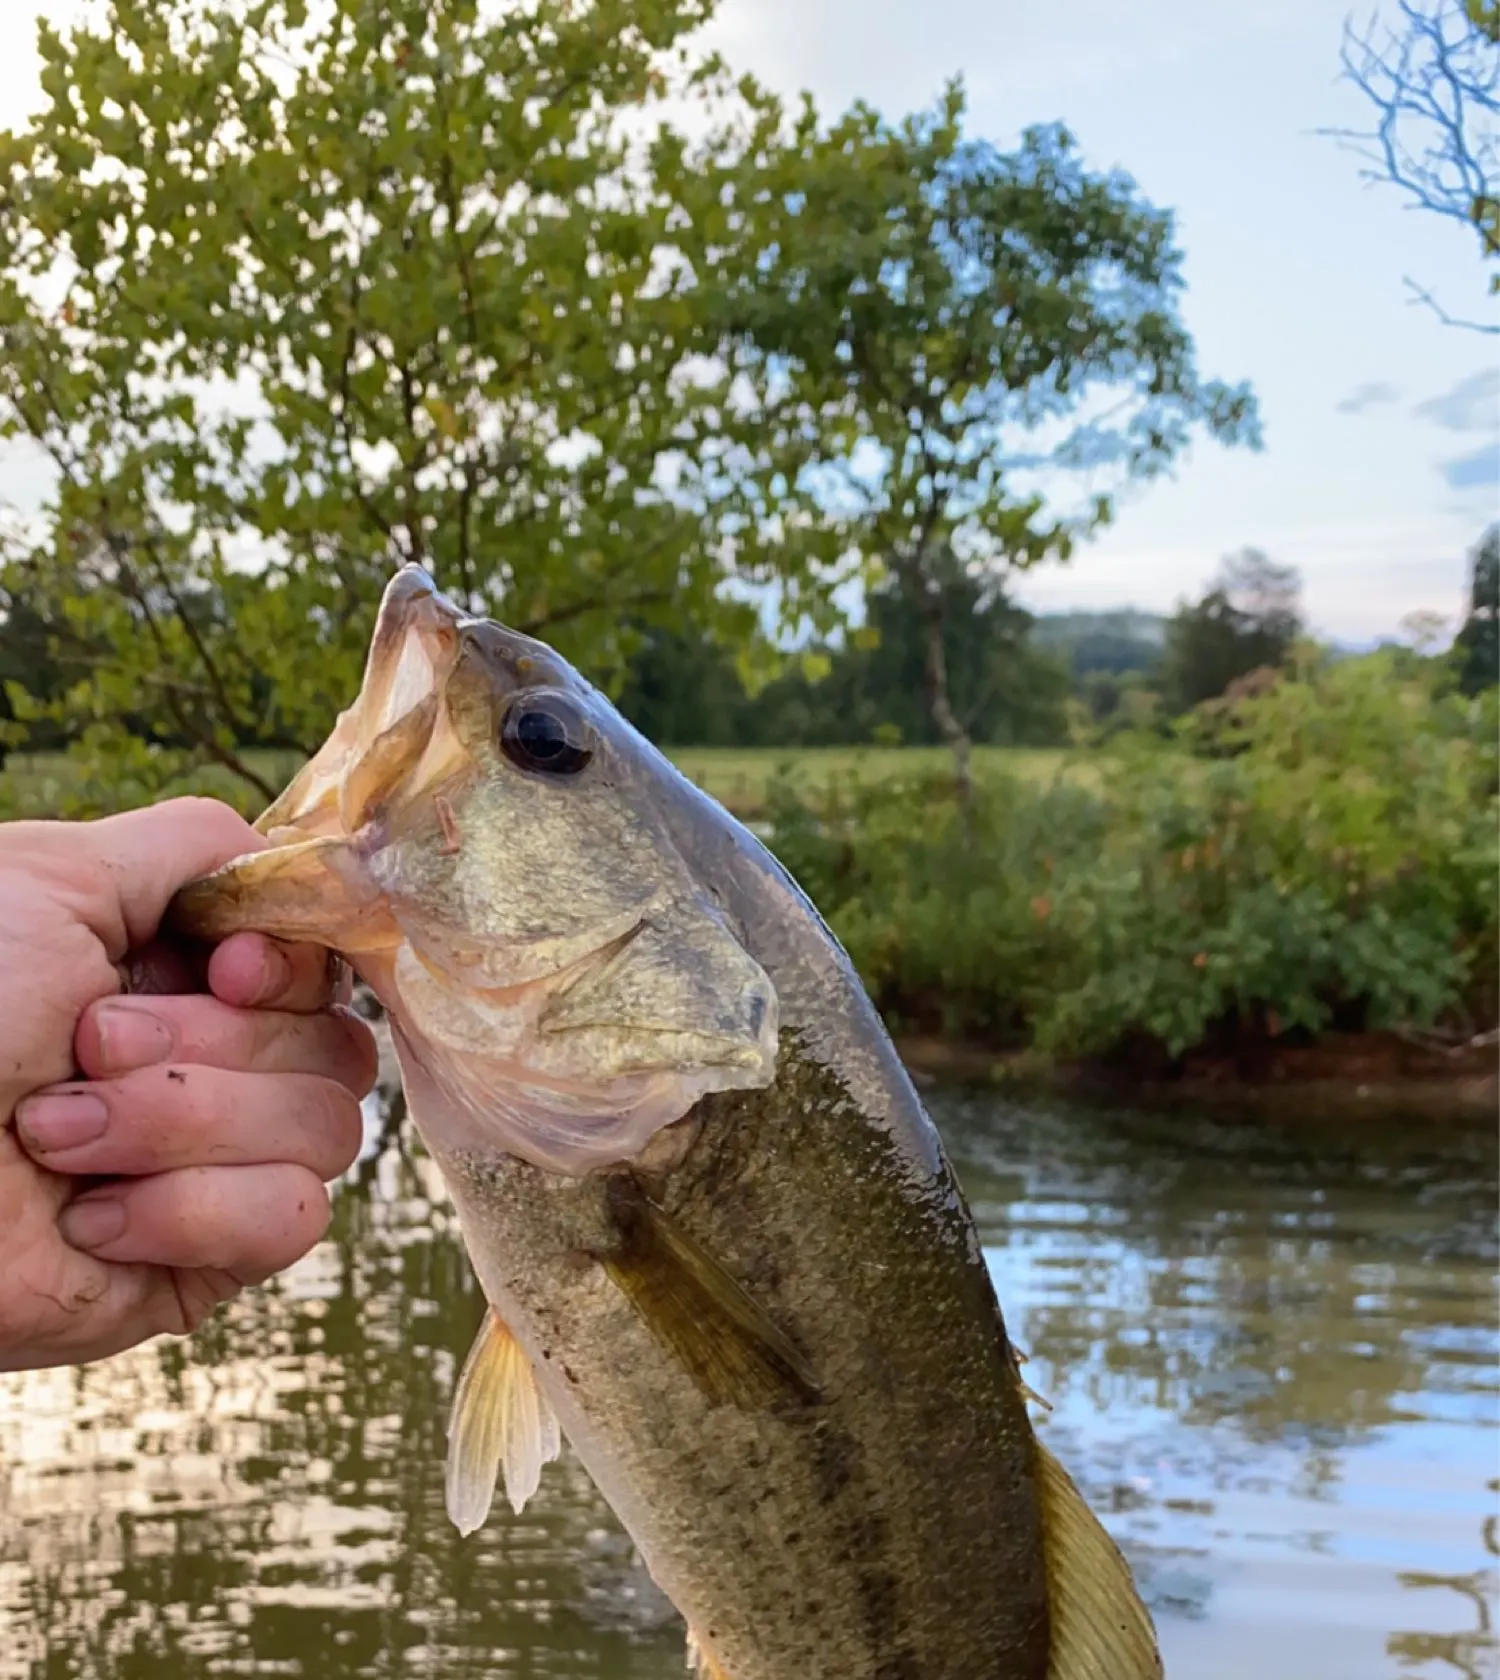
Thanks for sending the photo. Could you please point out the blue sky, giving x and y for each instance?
(1381, 464)
(1380, 467)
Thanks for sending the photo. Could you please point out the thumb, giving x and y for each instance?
(145, 856)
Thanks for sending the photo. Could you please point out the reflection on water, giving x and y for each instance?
(1271, 1353)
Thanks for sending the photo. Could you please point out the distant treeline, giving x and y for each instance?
(683, 689)
(1014, 679)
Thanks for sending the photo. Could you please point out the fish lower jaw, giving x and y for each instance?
(476, 1106)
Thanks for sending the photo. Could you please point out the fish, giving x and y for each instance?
(724, 1254)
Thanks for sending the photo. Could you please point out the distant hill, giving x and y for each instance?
(1123, 639)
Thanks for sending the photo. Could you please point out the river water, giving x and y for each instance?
(1270, 1349)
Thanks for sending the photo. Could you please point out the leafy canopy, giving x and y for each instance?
(938, 333)
(287, 293)
(315, 289)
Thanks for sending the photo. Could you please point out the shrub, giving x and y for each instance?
(1320, 850)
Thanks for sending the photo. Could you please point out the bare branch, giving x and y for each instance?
(1421, 295)
(1434, 83)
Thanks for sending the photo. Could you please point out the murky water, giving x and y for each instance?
(1271, 1351)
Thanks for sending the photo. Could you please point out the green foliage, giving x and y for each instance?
(1477, 645)
(682, 688)
(323, 288)
(926, 302)
(1336, 859)
(1248, 620)
(289, 293)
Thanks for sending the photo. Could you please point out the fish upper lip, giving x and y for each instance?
(416, 623)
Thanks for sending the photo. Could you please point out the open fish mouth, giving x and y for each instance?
(553, 964)
(389, 728)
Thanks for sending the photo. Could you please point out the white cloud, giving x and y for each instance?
(1374, 393)
(1472, 405)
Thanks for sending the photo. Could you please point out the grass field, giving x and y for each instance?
(737, 777)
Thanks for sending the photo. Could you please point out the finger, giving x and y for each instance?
(119, 1035)
(162, 1119)
(136, 861)
(247, 1221)
(253, 970)
(163, 966)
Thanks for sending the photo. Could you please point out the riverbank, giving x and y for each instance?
(1340, 1074)
(1343, 1074)
(1301, 891)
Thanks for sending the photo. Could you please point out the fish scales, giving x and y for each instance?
(888, 1530)
(724, 1252)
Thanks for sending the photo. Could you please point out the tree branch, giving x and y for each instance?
(1421, 295)
(1438, 76)
(185, 721)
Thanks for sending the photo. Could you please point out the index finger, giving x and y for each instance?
(252, 970)
(132, 864)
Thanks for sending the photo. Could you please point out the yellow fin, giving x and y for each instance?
(698, 1312)
(700, 1663)
(1100, 1628)
(501, 1423)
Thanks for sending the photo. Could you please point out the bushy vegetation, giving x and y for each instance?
(1322, 853)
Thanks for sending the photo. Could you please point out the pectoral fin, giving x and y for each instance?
(501, 1423)
(698, 1312)
(701, 1664)
(1100, 1628)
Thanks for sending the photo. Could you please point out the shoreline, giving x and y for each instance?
(1459, 1086)
(1346, 1075)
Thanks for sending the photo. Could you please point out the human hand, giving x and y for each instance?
(190, 1159)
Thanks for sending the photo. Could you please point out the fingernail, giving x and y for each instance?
(276, 975)
(130, 1037)
(61, 1120)
(91, 1224)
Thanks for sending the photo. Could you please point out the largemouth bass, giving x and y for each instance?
(724, 1250)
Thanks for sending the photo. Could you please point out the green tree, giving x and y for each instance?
(1477, 645)
(684, 689)
(1002, 689)
(1249, 618)
(1433, 78)
(29, 666)
(288, 293)
(681, 689)
(927, 314)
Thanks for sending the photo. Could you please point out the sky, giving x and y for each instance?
(1382, 425)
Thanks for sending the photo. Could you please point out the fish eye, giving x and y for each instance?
(546, 732)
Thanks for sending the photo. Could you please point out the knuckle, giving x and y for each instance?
(341, 1122)
(263, 1034)
(195, 1293)
(352, 1049)
(214, 1110)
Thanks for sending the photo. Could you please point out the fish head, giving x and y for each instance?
(484, 836)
